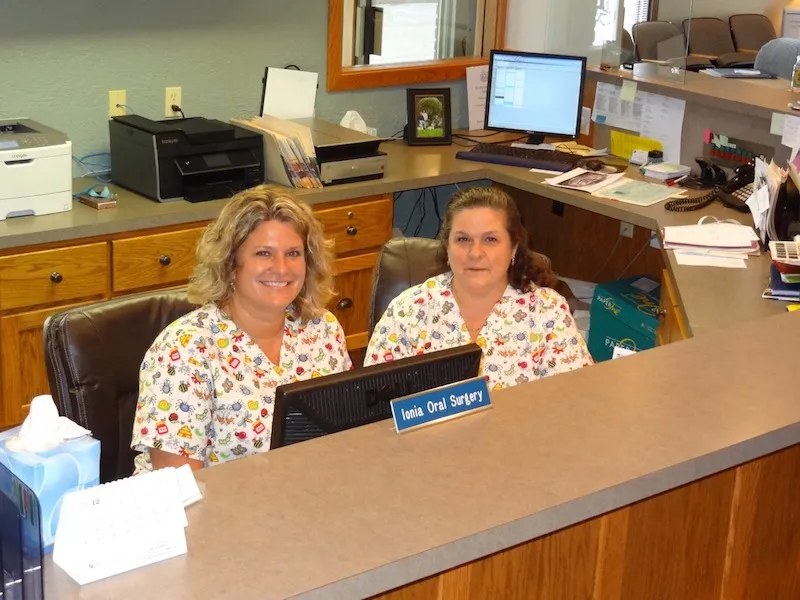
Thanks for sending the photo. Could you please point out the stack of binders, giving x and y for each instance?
(288, 151)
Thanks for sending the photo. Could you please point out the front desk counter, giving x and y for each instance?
(669, 474)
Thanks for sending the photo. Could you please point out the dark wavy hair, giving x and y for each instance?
(528, 267)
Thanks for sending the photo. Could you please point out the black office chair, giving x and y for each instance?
(403, 262)
(93, 354)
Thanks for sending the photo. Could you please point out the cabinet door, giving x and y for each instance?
(22, 370)
(353, 286)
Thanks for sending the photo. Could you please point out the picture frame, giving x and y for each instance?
(429, 117)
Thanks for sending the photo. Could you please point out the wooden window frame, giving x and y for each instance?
(363, 77)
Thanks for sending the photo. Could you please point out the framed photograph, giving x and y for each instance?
(428, 117)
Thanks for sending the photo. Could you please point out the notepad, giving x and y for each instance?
(125, 524)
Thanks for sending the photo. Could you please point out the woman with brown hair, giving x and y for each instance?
(494, 291)
(207, 384)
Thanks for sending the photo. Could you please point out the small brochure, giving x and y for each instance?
(584, 180)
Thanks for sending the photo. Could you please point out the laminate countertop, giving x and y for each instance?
(366, 510)
(752, 97)
(710, 298)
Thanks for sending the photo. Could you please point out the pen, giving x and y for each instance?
(672, 182)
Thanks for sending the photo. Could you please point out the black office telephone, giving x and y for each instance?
(733, 193)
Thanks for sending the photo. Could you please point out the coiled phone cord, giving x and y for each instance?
(689, 204)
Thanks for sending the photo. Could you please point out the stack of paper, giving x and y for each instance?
(614, 187)
(712, 244)
(767, 183)
(288, 149)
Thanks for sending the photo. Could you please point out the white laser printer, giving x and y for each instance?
(35, 169)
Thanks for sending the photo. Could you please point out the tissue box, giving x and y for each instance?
(73, 465)
(624, 313)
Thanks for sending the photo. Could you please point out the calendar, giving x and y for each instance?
(124, 524)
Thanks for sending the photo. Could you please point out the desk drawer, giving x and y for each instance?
(51, 276)
(358, 226)
(154, 260)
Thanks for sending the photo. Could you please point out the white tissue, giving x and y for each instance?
(353, 120)
(44, 429)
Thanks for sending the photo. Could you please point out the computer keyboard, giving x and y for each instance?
(550, 160)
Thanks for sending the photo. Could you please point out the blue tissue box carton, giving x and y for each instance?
(73, 465)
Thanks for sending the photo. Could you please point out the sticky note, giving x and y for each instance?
(776, 125)
(628, 93)
(623, 144)
(707, 136)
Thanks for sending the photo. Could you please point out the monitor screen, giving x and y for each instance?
(538, 94)
(323, 405)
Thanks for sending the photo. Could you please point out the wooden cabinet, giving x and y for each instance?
(154, 260)
(36, 282)
(673, 327)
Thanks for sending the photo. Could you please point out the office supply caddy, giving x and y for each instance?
(194, 159)
(35, 169)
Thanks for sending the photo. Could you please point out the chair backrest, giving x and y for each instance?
(751, 31)
(628, 51)
(93, 354)
(647, 35)
(709, 36)
(778, 57)
(403, 262)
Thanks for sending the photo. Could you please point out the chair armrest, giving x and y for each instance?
(708, 56)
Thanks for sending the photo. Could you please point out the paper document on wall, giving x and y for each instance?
(662, 120)
(477, 80)
(791, 131)
(610, 109)
(623, 144)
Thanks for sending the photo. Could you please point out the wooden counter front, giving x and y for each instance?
(667, 474)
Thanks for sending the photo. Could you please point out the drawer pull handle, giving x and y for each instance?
(165, 260)
(351, 230)
(344, 303)
(661, 312)
(56, 277)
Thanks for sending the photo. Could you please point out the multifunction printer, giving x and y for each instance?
(35, 169)
(194, 159)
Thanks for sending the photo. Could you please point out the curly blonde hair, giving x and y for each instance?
(528, 267)
(216, 251)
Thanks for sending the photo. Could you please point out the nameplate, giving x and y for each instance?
(440, 404)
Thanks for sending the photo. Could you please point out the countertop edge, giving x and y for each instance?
(476, 546)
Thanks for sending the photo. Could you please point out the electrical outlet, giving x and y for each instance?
(625, 229)
(172, 96)
(117, 103)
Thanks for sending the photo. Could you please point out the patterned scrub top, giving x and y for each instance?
(206, 390)
(526, 336)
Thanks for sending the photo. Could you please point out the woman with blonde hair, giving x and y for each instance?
(207, 384)
(493, 291)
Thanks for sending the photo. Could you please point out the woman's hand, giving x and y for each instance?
(160, 459)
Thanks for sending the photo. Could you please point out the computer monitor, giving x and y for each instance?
(315, 407)
(537, 94)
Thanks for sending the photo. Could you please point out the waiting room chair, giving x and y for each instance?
(710, 38)
(778, 56)
(750, 32)
(403, 262)
(628, 50)
(647, 36)
(93, 354)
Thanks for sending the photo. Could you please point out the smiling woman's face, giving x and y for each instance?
(479, 248)
(270, 267)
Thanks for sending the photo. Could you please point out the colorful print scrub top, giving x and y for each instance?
(527, 335)
(206, 390)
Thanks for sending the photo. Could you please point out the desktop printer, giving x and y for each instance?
(35, 169)
(194, 159)
(343, 154)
